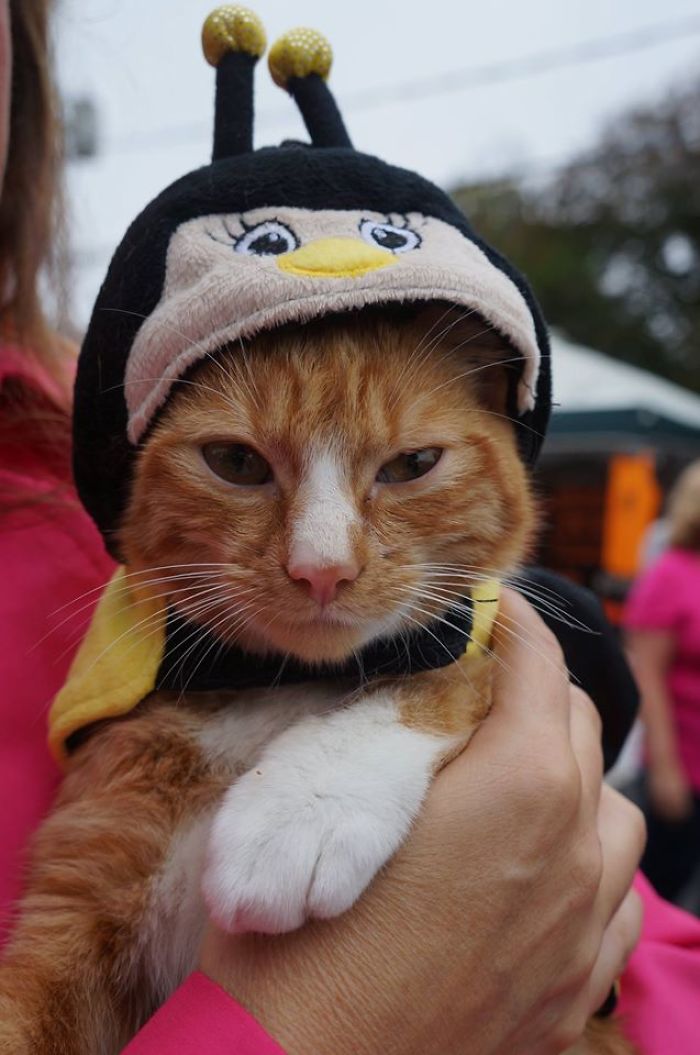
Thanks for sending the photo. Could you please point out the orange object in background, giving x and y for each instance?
(632, 502)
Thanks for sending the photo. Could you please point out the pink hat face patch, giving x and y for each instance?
(230, 276)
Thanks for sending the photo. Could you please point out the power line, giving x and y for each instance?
(533, 65)
(524, 67)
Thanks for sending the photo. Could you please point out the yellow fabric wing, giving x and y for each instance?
(116, 665)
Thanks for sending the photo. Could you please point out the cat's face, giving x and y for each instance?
(334, 483)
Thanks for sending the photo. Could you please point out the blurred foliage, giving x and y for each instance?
(611, 243)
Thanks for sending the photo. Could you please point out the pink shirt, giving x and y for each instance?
(667, 598)
(51, 554)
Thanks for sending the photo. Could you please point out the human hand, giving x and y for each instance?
(505, 917)
(669, 790)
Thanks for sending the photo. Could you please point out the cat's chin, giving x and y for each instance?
(315, 640)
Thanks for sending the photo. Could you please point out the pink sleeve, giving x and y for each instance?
(201, 1019)
(53, 566)
(660, 988)
(655, 602)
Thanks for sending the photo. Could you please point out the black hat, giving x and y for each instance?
(259, 238)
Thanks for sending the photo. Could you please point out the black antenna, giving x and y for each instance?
(233, 39)
(300, 62)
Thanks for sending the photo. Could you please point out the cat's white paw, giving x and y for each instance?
(303, 833)
(279, 856)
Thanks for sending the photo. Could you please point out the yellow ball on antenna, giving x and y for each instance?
(297, 54)
(232, 28)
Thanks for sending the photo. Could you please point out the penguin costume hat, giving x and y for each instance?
(254, 240)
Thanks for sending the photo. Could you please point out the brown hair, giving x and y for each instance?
(684, 509)
(30, 240)
(30, 205)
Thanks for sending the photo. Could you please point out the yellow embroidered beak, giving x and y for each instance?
(335, 258)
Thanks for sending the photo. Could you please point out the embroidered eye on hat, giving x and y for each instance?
(260, 238)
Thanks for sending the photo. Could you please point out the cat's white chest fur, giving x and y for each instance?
(330, 789)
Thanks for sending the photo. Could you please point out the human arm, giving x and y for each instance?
(503, 919)
(651, 652)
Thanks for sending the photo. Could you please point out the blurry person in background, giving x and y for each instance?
(662, 619)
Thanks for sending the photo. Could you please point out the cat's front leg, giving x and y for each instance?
(330, 800)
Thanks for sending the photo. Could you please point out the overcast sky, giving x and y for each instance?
(141, 62)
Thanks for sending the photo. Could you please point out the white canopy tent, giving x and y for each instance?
(585, 380)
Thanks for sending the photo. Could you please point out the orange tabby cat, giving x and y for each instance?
(320, 489)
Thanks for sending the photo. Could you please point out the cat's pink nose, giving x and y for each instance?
(322, 582)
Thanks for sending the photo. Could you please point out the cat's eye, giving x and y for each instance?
(388, 236)
(270, 238)
(237, 464)
(409, 466)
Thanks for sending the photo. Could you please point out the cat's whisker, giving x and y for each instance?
(210, 630)
(190, 642)
(451, 350)
(195, 591)
(414, 361)
(154, 618)
(142, 571)
(212, 603)
(230, 623)
(482, 366)
(457, 604)
(510, 579)
(278, 676)
(540, 603)
(218, 593)
(444, 600)
(230, 376)
(438, 618)
(513, 421)
(179, 381)
(500, 622)
(234, 377)
(417, 622)
(125, 589)
(488, 573)
(179, 333)
(473, 370)
(460, 607)
(255, 395)
(453, 579)
(198, 634)
(357, 657)
(419, 353)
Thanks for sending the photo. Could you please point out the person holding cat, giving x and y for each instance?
(344, 985)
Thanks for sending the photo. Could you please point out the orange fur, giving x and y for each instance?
(368, 389)
(84, 967)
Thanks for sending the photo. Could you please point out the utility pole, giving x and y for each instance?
(80, 128)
